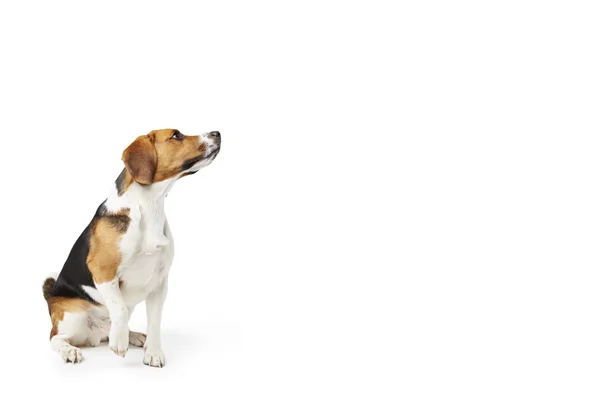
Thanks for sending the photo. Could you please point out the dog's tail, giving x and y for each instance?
(48, 285)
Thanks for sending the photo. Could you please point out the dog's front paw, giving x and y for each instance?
(118, 341)
(154, 358)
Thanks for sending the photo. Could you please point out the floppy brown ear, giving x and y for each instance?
(140, 160)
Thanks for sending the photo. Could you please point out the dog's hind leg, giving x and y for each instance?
(74, 323)
(69, 332)
(137, 339)
(68, 352)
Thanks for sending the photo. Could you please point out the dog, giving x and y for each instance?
(124, 255)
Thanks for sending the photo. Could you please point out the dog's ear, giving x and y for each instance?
(140, 159)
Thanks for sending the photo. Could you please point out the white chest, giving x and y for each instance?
(147, 254)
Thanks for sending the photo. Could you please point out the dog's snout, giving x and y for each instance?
(214, 137)
(211, 139)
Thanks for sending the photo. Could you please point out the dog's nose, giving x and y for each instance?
(215, 134)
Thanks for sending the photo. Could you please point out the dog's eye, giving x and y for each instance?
(177, 135)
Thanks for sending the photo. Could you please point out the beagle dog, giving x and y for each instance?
(124, 255)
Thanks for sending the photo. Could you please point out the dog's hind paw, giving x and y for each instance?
(71, 354)
(137, 339)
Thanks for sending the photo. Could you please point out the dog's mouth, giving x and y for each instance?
(189, 164)
(213, 153)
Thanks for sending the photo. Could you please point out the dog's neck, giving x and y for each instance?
(127, 188)
(127, 193)
(146, 208)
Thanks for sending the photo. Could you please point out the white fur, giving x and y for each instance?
(146, 257)
(154, 355)
(88, 327)
(118, 338)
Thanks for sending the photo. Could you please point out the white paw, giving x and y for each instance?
(70, 354)
(118, 341)
(137, 339)
(154, 358)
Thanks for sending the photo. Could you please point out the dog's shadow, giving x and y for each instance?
(176, 345)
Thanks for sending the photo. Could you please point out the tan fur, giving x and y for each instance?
(158, 156)
(58, 306)
(104, 255)
(173, 153)
(140, 159)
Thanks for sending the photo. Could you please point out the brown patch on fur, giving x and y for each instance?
(140, 159)
(47, 287)
(58, 306)
(173, 153)
(104, 256)
(119, 220)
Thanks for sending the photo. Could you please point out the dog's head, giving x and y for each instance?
(167, 153)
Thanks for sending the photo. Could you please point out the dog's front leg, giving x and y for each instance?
(153, 355)
(118, 337)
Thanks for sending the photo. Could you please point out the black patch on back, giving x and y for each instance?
(75, 272)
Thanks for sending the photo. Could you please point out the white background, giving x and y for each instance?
(406, 204)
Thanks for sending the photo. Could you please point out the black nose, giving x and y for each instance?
(215, 134)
